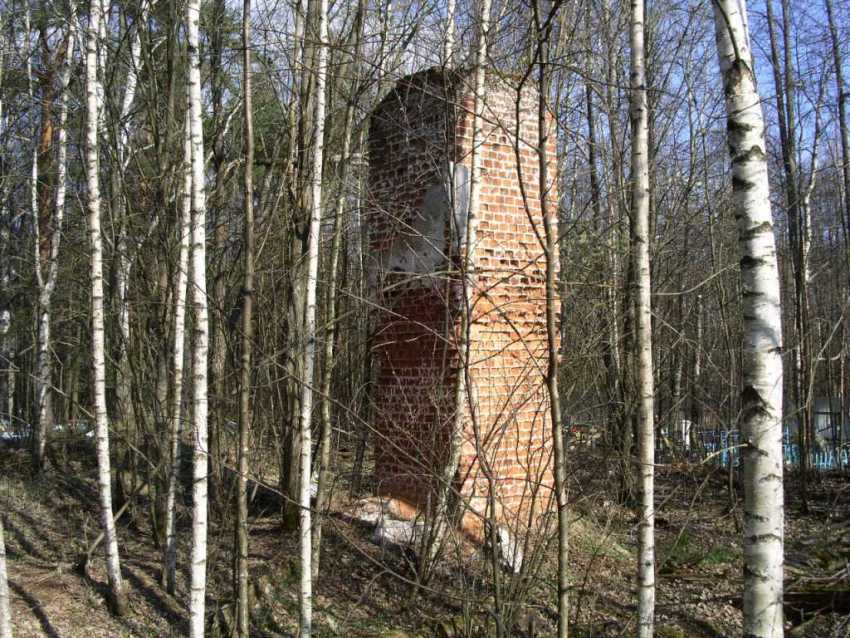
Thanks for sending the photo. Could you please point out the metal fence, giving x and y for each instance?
(723, 448)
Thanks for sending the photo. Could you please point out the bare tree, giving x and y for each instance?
(201, 332)
(638, 113)
(169, 565)
(122, 248)
(843, 95)
(5, 612)
(305, 518)
(243, 619)
(449, 41)
(94, 98)
(330, 298)
(543, 25)
(48, 236)
(761, 397)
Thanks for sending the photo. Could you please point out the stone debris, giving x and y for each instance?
(390, 531)
(508, 548)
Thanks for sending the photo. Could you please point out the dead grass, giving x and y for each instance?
(367, 590)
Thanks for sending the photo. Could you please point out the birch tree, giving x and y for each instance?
(638, 114)
(93, 107)
(761, 398)
(843, 96)
(201, 332)
(48, 235)
(122, 272)
(449, 41)
(305, 519)
(5, 611)
(330, 299)
(169, 565)
(242, 617)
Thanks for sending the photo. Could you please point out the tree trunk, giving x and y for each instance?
(93, 107)
(550, 228)
(5, 612)
(843, 126)
(305, 518)
(696, 372)
(243, 618)
(47, 258)
(786, 108)
(331, 314)
(761, 398)
(123, 256)
(169, 566)
(218, 219)
(201, 333)
(298, 119)
(643, 316)
(449, 41)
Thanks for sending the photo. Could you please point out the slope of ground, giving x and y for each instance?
(369, 590)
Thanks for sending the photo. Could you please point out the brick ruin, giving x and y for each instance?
(420, 145)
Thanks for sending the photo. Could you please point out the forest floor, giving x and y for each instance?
(368, 590)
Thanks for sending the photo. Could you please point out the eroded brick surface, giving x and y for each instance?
(420, 151)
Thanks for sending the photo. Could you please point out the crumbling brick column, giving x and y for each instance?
(420, 147)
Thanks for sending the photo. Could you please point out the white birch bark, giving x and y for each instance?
(185, 230)
(47, 284)
(843, 95)
(93, 108)
(305, 519)
(5, 611)
(639, 116)
(122, 275)
(449, 42)
(39, 437)
(5, 244)
(761, 419)
(324, 461)
(201, 330)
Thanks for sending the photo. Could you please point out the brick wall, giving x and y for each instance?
(420, 154)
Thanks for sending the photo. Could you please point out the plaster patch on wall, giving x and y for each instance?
(420, 247)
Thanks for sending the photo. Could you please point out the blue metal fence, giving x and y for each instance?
(723, 447)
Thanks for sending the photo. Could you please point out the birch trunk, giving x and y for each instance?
(201, 333)
(122, 273)
(39, 438)
(331, 313)
(305, 518)
(449, 42)
(169, 566)
(843, 94)
(696, 372)
(243, 618)
(93, 107)
(5, 612)
(47, 281)
(762, 364)
(643, 315)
